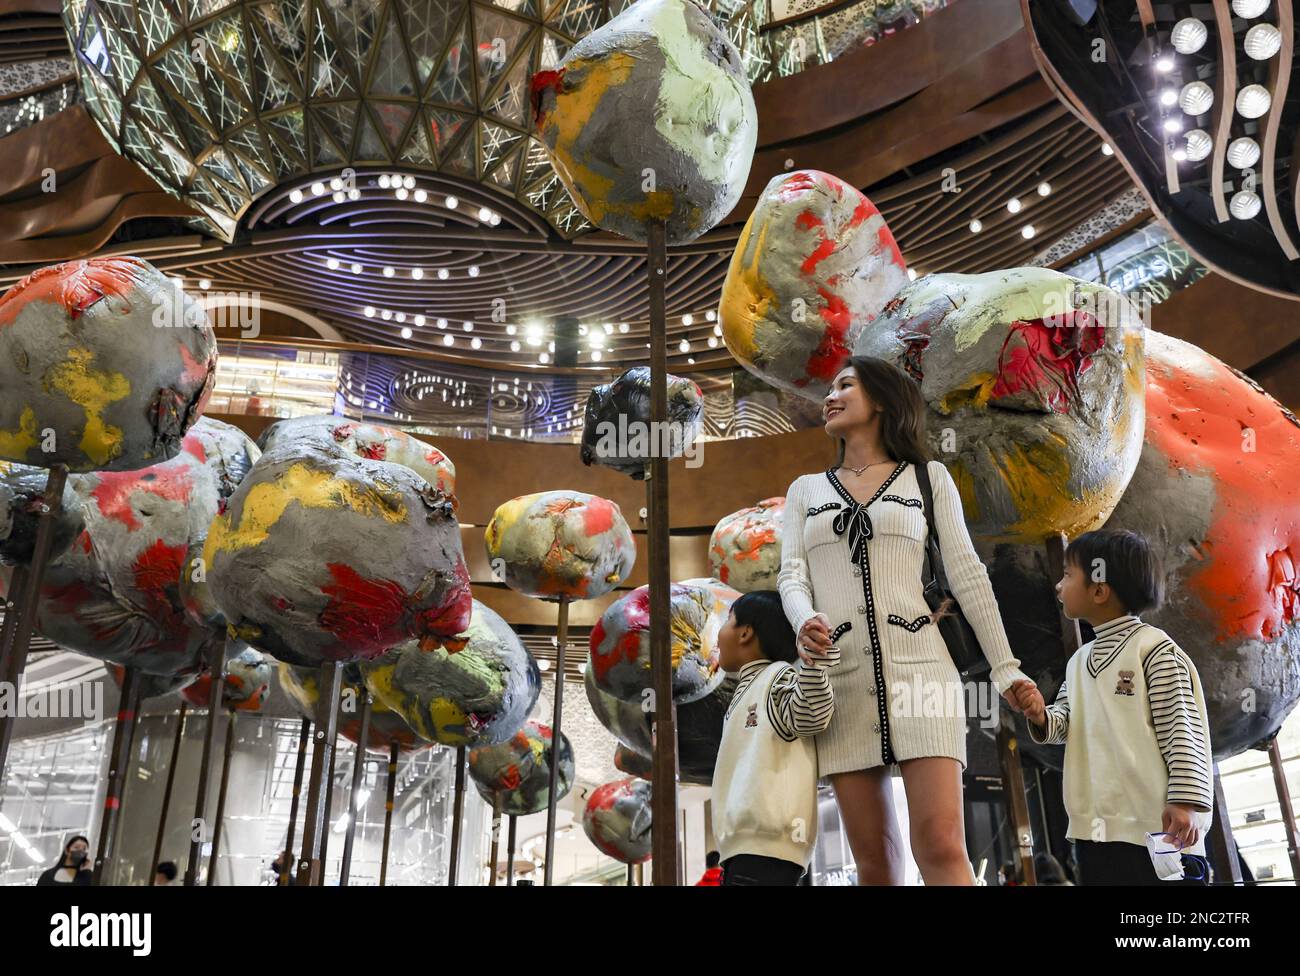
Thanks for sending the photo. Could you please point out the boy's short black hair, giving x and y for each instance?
(1125, 561)
(712, 859)
(168, 870)
(762, 610)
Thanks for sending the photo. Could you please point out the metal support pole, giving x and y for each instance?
(553, 775)
(119, 758)
(510, 852)
(329, 811)
(1220, 845)
(1286, 808)
(457, 813)
(358, 772)
(167, 793)
(388, 812)
(496, 838)
(24, 604)
(221, 797)
(1013, 789)
(285, 866)
(310, 868)
(664, 803)
(198, 828)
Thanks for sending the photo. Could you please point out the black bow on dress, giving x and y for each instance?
(855, 519)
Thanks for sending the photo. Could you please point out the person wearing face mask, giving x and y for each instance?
(73, 866)
(851, 577)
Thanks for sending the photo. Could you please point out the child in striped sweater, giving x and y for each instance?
(765, 779)
(1131, 714)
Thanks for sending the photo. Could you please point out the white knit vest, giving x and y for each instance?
(1116, 779)
(764, 788)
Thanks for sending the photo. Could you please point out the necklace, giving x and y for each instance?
(858, 471)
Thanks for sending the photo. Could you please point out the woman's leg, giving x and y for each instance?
(866, 805)
(934, 813)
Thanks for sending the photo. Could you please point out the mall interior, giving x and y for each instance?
(328, 324)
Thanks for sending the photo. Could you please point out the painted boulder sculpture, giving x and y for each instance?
(116, 593)
(1034, 383)
(245, 682)
(1217, 493)
(518, 770)
(560, 545)
(474, 689)
(323, 555)
(151, 685)
(22, 496)
(105, 364)
(620, 643)
(617, 820)
(302, 687)
(745, 548)
(814, 265)
(372, 441)
(650, 118)
(617, 431)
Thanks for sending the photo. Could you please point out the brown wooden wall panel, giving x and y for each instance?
(1242, 326)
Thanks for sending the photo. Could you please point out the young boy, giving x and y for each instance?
(765, 780)
(1132, 716)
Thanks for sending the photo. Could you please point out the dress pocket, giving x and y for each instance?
(897, 516)
(819, 526)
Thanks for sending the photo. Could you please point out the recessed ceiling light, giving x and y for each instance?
(451, 202)
(443, 274)
(1014, 205)
(389, 272)
(449, 340)
(406, 333)
(976, 226)
(1027, 231)
(369, 311)
(1106, 150)
(317, 188)
(356, 268)
(473, 271)
(417, 273)
(295, 196)
(420, 196)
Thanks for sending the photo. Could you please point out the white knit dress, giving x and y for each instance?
(898, 695)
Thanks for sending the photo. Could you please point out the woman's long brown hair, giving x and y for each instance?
(902, 428)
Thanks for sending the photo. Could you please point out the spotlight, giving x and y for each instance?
(1244, 205)
(451, 202)
(1196, 98)
(420, 196)
(1027, 231)
(356, 268)
(295, 196)
(1014, 205)
(417, 273)
(1243, 152)
(1253, 101)
(1044, 188)
(332, 264)
(1106, 150)
(389, 272)
(449, 340)
(406, 333)
(1263, 41)
(1198, 144)
(1188, 36)
(976, 226)
(317, 189)
(1173, 125)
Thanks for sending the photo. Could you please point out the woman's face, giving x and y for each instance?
(847, 405)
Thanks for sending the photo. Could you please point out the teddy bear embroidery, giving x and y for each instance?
(751, 718)
(1124, 686)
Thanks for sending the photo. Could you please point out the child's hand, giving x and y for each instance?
(1177, 822)
(1030, 701)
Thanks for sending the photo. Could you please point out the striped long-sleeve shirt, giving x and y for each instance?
(1172, 692)
(799, 702)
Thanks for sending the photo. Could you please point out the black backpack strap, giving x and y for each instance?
(927, 495)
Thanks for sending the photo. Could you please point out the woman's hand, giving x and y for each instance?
(814, 638)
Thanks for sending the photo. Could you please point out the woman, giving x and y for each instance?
(851, 565)
(73, 867)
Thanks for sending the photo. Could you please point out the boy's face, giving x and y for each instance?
(737, 645)
(1076, 592)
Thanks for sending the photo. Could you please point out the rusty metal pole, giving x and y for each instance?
(1013, 789)
(1284, 802)
(198, 827)
(1220, 845)
(388, 812)
(329, 811)
(310, 868)
(167, 793)
(221, 797)
(510, 852)
(23, 605)
(304, 732)
(119, 757)
(664, 761)
(457, 813)
(553, 775)
(496, 838)
(358, 772)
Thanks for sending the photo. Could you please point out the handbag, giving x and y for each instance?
(954, 628)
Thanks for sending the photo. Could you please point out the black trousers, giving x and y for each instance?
(754, 869)
(1118, 863)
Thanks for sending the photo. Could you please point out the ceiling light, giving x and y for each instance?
(442, 323)
(484, 214)
(206, 283)
(451, 202)
(1244, 205)
(356, 268)
(1014, 205)
(543, 358)
(911, 274)
(339, 196)
(336, 184)
(1168, 97)
(1249, 9)
(684, 346)
(717, 330)
(710, 315)
(595, 355)
(449, 340)
(354, 194)
(467, 326)
(514, 346)
(1027, 231)
(1198, 144)
(419, 320)
(295, 196)
(385, 181)
(1044, 188)
(1164, 63)
(1180, 155)
(623, 327)
(400, 193)
(1263, 41)
(417, 273)
(688, 319)
(389, 272)
(476, 342)
(408, 182)
(1106, 150)
(369, 311)
(386, 315)
(976, 226)
(317, 189)
(496, 219)
(510, 330)
(332, 264)
(443, 274)
(400, 316)
(1253, 101)
(473, 270)
(1196, 98)
(406, 333)
(1188, 36)
(713, 342)
(1173, 125)
(1243, 152)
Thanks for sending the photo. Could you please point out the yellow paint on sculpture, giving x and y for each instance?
(16, 443)
(507, 515)
(446, 715)
(746, 296)
(309, 487)
(574, 108)
(970, 503)
(1034, 477)
(975, 392)
(92, 390)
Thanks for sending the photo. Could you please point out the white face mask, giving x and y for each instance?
(1166, 857)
